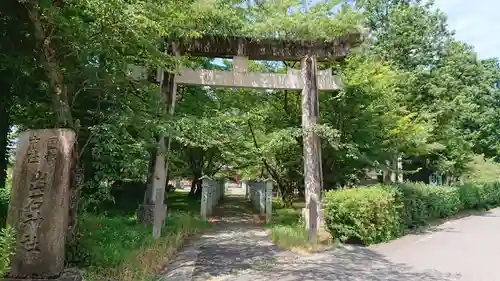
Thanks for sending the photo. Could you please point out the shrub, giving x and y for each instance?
(4, 206)
(5, 197)
(422, 203)
(469, 196)
(364, 215)
(380, 213)
(488, 195)
(480, 195)
(415, 210)
(7, 244)
(443, 202)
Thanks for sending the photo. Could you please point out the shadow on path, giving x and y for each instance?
(342, 264)
(238, 248)
(237, 242)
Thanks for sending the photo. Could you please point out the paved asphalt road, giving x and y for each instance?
(466, 249)
(469, 247)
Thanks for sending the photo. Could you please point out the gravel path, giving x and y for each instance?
(238, 249)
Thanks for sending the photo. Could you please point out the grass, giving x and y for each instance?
(177, 202)
(288, 231)
(115, 247)
(112, 246)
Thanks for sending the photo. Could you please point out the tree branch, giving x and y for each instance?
(273, 173)
(85, 145)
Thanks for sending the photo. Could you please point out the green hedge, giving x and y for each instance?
(369, 215)
(421, 203)
(480, 195)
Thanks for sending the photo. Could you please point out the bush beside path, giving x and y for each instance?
(370, 215)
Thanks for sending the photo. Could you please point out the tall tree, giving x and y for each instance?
(18, 75)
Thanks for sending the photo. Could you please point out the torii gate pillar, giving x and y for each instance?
(311, 145)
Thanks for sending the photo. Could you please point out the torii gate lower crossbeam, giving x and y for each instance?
(241, 78)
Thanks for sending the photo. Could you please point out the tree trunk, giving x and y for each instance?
(447, 178)
(199, 188)
(167, 180)
(302, 193)
(43, 32)
(195, 191)
(60, 95)
(193, 187)
(286, 192)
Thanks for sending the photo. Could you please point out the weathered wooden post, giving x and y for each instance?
(399, 170)
(223, 190)
(387, 176)
(244, 186)
(312, 163)
(205, 185)
(269, 200)
(210, 197)
(256, 189)
(262, 198)
(394, 173)
(214, 194)
(39, 204)
(257, 196)
(254, 195)
(251, 193)
(214, 188)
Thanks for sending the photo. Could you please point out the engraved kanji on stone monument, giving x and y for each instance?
(33, 155)
(31, 217)
(51, 154)
(38, 209)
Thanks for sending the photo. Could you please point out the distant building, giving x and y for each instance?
(417, 169)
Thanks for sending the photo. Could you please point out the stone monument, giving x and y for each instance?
(39, 205)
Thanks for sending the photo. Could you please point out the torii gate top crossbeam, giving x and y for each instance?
(240, 77)
(265, 49)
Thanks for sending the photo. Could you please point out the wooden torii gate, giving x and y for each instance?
(307, 79)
